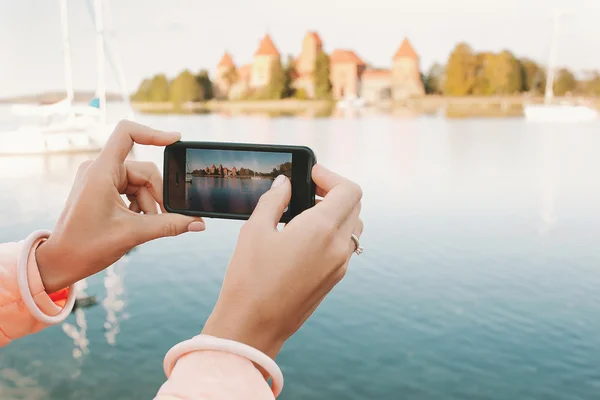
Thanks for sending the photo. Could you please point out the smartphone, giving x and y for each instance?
(226, 180)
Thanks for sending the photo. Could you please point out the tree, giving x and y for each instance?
(184, 88)
(289, 73)
(321, 76)
(591, 85)
(143, 92)
(276, 88)
(504, 74)
(460, 71)
(434, 79)
(159, 89)
(483, 74)
(565, 82)
(533, 76)
(205, 85)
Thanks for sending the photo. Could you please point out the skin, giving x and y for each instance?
(275, 279)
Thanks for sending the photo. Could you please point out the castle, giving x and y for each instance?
(349, 75)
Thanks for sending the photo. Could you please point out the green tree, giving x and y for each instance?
(565, 82)
(184, 88)
(434, 79)
(321, 76)
(497, 74)
(159, 89)
(205, 85)
(276, 88)
(533, 76)
(591, 85)
(289, 73)
(483, 74)
(143, 92)
(504, 74)
(460, 71)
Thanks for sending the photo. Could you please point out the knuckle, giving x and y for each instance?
(85, 165)
(170, 229)
(123, 125)
(341, 273)
(356, 189)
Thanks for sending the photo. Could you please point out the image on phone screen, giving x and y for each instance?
(231, 181)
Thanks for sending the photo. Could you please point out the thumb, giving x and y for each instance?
(155, 226)
(272, 203)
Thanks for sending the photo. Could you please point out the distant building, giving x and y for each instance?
(262, 65)
(376, 85)
(212, 169)
(305, 63)
(346, 71)
(406, 76)
(233, 171)
(241, 87)
(224, 77)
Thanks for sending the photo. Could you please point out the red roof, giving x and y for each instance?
(267, 47)
(406, 51)
(244, 72)
(226, 61)
(377, 74)
(317, 38)
(345, 56)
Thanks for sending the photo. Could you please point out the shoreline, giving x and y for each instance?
(452, 107)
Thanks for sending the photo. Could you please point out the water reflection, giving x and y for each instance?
(78, 332)
(114, 303)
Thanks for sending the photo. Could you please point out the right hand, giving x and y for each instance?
(276, 279)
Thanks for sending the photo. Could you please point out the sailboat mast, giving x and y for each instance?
(66, 41)
(552, 61)
(101, 86)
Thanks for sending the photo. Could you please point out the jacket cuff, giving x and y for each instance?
(36, 287)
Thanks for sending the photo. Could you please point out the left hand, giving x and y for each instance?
(96, 227)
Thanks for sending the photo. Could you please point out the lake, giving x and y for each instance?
(480, 277)
(225, 195)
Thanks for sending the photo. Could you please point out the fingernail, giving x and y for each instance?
(196, 226)
(278, 181)
(175, 134)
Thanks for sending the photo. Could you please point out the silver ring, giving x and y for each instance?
(357, 247)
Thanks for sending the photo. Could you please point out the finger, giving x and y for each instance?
(126, 133)
(147, 175)
(135, 207)
(154, 226)
(146, 201)
(339, 202)
(325, 179)
(272, 203)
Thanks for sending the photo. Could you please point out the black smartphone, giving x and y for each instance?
(226, 180)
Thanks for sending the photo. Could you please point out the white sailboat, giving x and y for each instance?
(561, 112)
(64, 127)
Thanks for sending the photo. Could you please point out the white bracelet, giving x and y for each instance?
(23, 283)
(206, 342)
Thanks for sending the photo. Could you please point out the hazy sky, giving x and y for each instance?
(168, 36)
(256, 161)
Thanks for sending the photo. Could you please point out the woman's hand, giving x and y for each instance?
(276, 280)
(96, 227)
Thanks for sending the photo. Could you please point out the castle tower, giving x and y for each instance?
(305, 64)
(224, 76)
(262, 64)
(406, 76)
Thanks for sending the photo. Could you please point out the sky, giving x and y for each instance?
(168, 36)
(256, 161)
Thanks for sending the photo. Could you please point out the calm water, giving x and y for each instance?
(480, 277)
(226, 195)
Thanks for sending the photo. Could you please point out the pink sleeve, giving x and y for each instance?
(215, 375)
(15, 319)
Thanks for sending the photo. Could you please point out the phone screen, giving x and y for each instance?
(228, 182)
(231, 181)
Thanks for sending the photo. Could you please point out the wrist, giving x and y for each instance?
(50, 268)
(239, 329)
